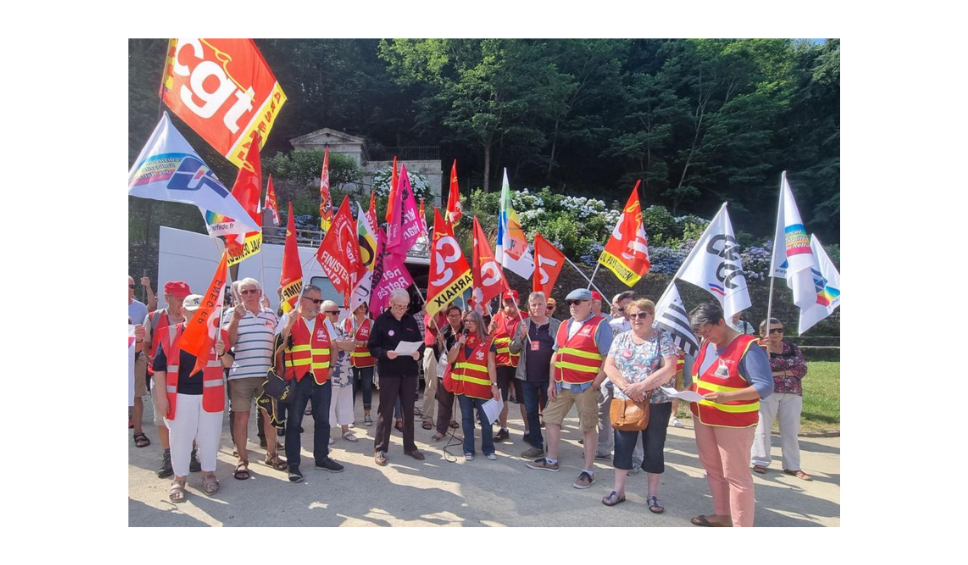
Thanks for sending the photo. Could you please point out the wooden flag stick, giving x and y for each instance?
(590, 284)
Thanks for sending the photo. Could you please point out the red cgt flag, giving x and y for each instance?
(627, 252)
(548, 262)
(454, 210)
(291, 278)
(271, 202)
(201, 333)
(325, 199)
(224, 90)
(488, 276)
(339, 253)
(449, 274)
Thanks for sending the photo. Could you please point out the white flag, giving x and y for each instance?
(511, 248)
(714, 265)
(826, 281)
(792, 257)
(169, 169)
(671, 316)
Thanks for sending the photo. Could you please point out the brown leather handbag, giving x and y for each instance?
(628, 415)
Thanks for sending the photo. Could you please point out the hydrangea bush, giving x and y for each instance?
(418, 182)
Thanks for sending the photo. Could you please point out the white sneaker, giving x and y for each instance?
(676, 423)
(331, 441)
(468, 457)
(491, 456)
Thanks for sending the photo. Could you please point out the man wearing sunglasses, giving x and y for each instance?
(581, 346)
(310, 357)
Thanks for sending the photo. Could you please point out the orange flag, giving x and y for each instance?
(423, 218)
(488, 276)
(393, 192)
(627, 252)
(454, 210)
(549, 261)
(271, 202)
(291, 278)
(449, 274)
(339, 252)
(201, 333)
(325, 200)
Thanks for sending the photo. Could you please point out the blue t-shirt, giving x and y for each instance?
(137, 312)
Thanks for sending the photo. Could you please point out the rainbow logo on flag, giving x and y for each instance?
(797, 240)
(826, 294)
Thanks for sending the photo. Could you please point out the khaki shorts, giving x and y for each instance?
(242, 391)
(587, 403)
(140, 376)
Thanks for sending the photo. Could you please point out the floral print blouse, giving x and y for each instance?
(637, 361)
(790, 360)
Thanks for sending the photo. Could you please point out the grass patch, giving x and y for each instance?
(821, 399)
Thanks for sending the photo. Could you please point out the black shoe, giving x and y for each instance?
(165, 470)
(294, 475)
(194, 466)
(330, 465)
(502, 435)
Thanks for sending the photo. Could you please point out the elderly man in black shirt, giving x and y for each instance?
(398, 373)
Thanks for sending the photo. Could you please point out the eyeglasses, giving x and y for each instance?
(776, 330)
(335, 312)
(316, 301)
(249, 291)
(130, 286)
(574, 302)
(639, 315)
(398, 305)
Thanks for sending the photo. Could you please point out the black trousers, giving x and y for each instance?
(392, 388)
(321, 396)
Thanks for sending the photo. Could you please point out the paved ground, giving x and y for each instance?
(445, 490)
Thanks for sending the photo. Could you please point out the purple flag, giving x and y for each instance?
(404, 227)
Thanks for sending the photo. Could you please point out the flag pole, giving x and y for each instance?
(590, 284)
(769, 302)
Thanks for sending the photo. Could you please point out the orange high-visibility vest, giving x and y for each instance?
(503, 334)
(309, 354)
(577, 360)
(213, 384)
(360, 357)
(724, 376)
(468, 374)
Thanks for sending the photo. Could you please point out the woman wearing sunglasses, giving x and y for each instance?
(789, 367)
(640, 361)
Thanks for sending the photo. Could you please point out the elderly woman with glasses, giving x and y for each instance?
(789, 367)
(472, 376)
(398, 373)
(640, 360)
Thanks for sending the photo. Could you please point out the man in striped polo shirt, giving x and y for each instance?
(251, 334)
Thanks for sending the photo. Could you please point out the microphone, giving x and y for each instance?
(466, 332)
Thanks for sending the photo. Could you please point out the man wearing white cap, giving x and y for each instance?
(581, 346)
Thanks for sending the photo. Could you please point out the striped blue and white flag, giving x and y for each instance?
(671, 316)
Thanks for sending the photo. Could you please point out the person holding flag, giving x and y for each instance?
(732, 374)
(192, 399)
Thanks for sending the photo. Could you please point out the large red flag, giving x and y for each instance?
(394, 179)
(627, 252)
(201, 333)
(325, 199)
(248, 191)
(450, 275)
(224, 90)
(454, 210)
(291, 278)
(271, 202)
(339, 253)
(488, 276)
(549, 261)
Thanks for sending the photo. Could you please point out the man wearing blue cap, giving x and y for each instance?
(581, 345)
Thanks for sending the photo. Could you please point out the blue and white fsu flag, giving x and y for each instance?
(826, 284)
(671, 316)
(169, 169)
(714, 265)
(793, 259)
(511, 248)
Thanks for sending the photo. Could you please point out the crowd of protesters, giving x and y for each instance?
(468, 357)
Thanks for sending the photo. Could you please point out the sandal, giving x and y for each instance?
(799, 474)
(276, 462)
(176, 493)
(348, 436)
(141, 440)
(428, 426)
(654, 506)
(242, 470)
(380, 458)
(613, 498)
(760, 469)
(210, 484)
(454, 424)
(437, 437)
(702, 521)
